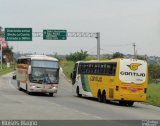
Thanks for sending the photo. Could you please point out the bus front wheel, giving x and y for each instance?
(18, 85)
(28, 92)
(77, 91)
(51, 94)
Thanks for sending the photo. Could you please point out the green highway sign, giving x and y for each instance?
(18, 34)
(54, 34)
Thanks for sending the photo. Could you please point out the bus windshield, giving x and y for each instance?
(44, 75)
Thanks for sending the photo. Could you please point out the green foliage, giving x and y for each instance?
(118, 55)
(154, 72)
(8, 53)
(67, 67)
(1, 32)
(5, 70)
(141, 57)
(77, 56)
(153, 95)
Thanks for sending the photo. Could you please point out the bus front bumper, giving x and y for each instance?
(43, 89)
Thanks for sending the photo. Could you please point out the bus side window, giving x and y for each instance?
(74, 71)
(98, 68)
(95, 69)
(80, 69)
(83, 68)
(92, 68)
(114, 70)
(108, 69)
(75, 67)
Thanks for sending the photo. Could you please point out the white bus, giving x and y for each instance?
(37, 73)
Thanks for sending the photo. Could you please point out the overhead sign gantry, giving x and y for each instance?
(26, 34)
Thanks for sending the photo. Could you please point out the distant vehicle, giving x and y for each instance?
(14, 76)
(37, 73)
(123, 80)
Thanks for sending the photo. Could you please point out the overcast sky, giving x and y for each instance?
(120, 23)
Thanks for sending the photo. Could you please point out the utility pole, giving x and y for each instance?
(98, 45)
(134, 46)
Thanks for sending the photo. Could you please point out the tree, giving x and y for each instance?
(154, 72)
(142, 57)
(1, 32)
(77, 56)
(8, 53)
(118, 55)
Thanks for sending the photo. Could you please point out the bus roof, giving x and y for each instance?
(111, 60)
(39, 57)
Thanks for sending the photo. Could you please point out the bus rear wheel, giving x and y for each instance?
(104, 97)
(130, 103)
(99, 96)
(122, 103)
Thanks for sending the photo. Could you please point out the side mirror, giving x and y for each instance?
(74, 74)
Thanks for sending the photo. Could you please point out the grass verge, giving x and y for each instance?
(153, 94)
(6, 70)
(67, 67)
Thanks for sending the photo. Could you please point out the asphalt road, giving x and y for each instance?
(15, 104)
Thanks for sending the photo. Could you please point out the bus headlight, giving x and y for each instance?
(33, 86)
(55, 88)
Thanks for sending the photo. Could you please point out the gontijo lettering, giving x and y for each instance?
(133, 74)
(95, 78)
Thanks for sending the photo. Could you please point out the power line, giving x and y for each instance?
(117, 45)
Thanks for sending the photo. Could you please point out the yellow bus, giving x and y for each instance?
(37, 73)
(123, 80)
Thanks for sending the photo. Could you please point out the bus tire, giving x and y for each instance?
(104, 97)
(77, 91)
(28, 92)
(99, 96)
(130, 103)
(18, 86)
(123, 103)
(51, 94)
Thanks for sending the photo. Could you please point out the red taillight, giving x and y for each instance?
(117, 88)
(125, 88)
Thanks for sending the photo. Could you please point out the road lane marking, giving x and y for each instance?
(76, 111)
(11, 85)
